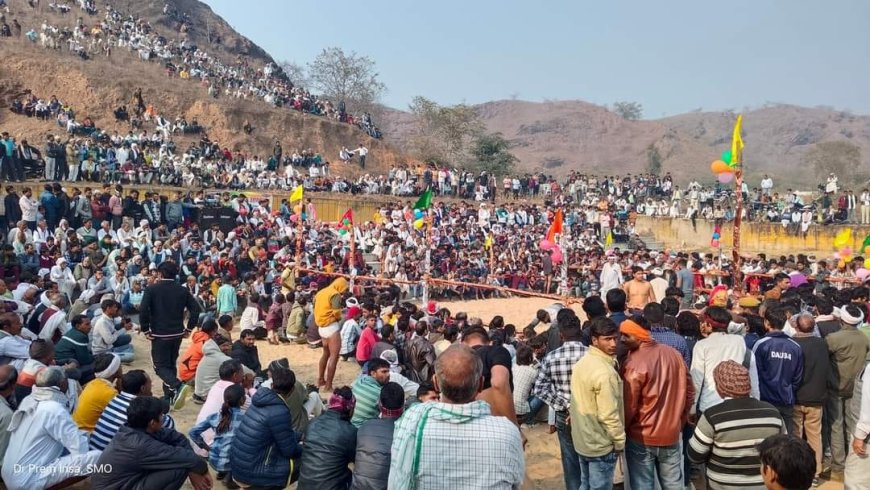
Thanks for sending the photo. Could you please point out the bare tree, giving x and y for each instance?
(445, 134)
(631, 111)
(351, 78)
(295, 72)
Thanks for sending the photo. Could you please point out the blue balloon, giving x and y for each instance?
(716, 236)
(418, 214)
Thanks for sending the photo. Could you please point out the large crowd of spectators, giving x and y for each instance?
(187, 61)
(81, 270)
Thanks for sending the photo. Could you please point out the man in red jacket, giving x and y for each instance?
(657, 396)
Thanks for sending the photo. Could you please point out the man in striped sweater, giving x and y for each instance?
(727, 434)
(133, 383)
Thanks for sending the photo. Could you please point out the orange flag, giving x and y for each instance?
(556, 226)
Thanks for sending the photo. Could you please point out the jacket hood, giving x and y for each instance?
(199, 337)
(339, 285)
(210, 348)
(265, 397)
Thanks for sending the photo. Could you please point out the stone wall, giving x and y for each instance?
(771, 238)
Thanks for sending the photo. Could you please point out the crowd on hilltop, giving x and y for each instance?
(442, 399)
(187, 61)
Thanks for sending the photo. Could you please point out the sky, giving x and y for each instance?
(671, 56)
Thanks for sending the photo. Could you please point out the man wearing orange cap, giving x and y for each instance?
(657, 396)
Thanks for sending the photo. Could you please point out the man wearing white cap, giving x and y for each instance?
(848, 349)
(99, 392)
(659, 283)
(63, 276)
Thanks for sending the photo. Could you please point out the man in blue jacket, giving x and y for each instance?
(780, 364)
(265, 443)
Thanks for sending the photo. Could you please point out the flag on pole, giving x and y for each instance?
(608, 242)
(297, 194)
(556, 226)
(737, 142)
(346, 221)
(425, 201)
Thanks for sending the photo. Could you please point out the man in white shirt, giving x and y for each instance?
(611, 275)
(41, 432)
(108, 336)
(29, 208)
(362, 151)
(458, 432)
(865, 207)
(767, 186)
(14, 349)
(717, 347)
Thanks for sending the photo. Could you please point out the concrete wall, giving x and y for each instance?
(754, 237)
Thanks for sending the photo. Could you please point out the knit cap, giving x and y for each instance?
(732, 380)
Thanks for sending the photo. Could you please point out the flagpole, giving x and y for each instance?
(299, 232)
(352, 262)
(427, 267)
(737, 157)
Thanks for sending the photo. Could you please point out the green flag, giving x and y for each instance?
(425, 201)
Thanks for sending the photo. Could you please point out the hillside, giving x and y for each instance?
(96, 86)
(559, 137)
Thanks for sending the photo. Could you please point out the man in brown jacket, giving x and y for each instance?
(848, 348)
(658, 394)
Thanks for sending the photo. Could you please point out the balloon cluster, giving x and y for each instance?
(717, 234)
(724, 168)
(555, 251)
(845, 255)
(419, 219)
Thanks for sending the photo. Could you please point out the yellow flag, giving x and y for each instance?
(737, 143)
(609, 241)
(488, 243)
(297, 194)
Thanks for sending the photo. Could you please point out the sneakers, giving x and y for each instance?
(180, 397)
(197, 399)
(816, 482)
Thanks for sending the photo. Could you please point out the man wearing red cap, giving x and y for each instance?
(657, 395)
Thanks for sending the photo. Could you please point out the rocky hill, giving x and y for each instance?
(96, 86)
(559, 137)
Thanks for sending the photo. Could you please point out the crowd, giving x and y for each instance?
(187, 61)
(83, 269)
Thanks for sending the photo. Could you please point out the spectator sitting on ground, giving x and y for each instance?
(330, 445)
(43, 421)
(145, 454)
(76, 346)
(215, 351)
(371, 465)
(135, 383)
(265, 437)
(245, 351)
(189, 361)
(98, 393)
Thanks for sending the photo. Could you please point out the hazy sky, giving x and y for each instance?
(672, 56)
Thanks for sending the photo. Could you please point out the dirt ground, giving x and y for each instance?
(543, 467)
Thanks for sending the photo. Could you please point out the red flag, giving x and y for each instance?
(346, 221)
(556, 226)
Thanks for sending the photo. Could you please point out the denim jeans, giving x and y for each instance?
(645, 462)
(598, 472)
(535, 405)
(570, 459)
